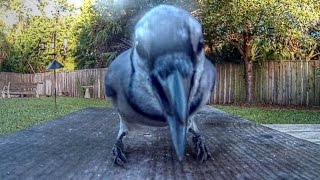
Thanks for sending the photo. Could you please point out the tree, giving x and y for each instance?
(4, 45)
(104, 28)
(259, 29)
(25, 37)
(82, 30)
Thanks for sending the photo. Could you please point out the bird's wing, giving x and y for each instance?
(130, 88)
(205, 88)
(118, 74)
(209, 76)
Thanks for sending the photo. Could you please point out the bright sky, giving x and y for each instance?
(10, 17)
(77, 3)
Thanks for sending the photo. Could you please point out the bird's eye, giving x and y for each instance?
(200, 46)
(141, 48)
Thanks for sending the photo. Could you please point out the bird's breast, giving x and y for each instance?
(142, 104)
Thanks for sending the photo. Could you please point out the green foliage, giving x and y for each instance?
(85, 52)
(279, 28)
(225, 53)
(105, 28)
(24, 53)
(4, 45)
(25, 37)
(102, 29)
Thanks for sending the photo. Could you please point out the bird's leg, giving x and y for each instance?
(200, 149)
(118, 147)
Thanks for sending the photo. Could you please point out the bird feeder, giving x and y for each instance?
(55, 65)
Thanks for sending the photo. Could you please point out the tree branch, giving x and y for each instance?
(315, 55)
(239, 49)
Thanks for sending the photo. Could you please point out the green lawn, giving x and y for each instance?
(274, 115)
(20, 113)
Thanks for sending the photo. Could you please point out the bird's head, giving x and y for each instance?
(168, 45)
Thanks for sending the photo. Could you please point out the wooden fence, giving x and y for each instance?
(69, 82)
(285, 82)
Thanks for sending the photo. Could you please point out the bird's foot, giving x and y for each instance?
(200, 149)
(118, 151)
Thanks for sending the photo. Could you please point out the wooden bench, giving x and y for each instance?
(22, 89)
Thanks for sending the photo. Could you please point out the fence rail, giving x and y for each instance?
(284, 83)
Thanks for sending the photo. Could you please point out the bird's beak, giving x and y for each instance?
(175, 91)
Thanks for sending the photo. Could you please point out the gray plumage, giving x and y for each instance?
(164, 79)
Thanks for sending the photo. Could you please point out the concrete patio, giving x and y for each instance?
(309, 132)
(78, 146)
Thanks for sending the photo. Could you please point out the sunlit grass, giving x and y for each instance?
(274, 115)
(20, 113)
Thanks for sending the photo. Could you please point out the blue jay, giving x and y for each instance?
(163, 80)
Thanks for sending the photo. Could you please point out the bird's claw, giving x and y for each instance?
(118, 151)
(200, 149)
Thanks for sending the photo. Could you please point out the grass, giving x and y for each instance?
(21, 113)
(274, 115)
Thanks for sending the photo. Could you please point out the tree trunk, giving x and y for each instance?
(248, 64)
(249, 79)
